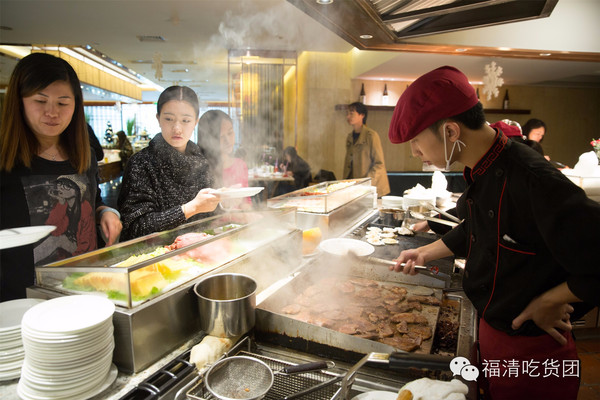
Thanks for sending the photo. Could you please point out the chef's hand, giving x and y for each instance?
(411, 258)
(420, 256)
(550, 311)
(111, 226)
(421, 226)
(205, 201)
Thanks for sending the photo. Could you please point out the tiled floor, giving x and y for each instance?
(588, 347)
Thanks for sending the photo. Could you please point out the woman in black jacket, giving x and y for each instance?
(296, 168)
(167, 183)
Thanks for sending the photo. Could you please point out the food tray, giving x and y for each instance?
(134, 272)
(283, 385)
(324, 197)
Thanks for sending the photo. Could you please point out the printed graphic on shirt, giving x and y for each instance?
(64, 202)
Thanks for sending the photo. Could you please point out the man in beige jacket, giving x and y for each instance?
(364, 155)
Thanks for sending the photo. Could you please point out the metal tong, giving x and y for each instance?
(440, 211)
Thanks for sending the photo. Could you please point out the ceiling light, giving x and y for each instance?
(324, 1)
(366, 36)
(460, 50)
(545, 54)
(504, 48)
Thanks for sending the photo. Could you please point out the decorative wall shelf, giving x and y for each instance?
(343, 107)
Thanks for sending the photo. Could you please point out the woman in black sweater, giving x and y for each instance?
(167, 183)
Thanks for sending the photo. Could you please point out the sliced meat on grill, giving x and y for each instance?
(323, 306)
(365, 325)
(353, 312)
(398, 308)
(368, 335)
(402, 343)
(424, 332)
(402, 327)
(292, 309)
(415, 306)
(324, 322)
(408, 317)
(430, 300)
(385, 330)
(335, 315)
(312, 290)
(303, 300)
(350, 328)
(345, 287)
(380, 312)
(304, 316)
(373, 317)
(369, 293)
(363, 282)
(398, 290)
(421, 319)
(390, 300)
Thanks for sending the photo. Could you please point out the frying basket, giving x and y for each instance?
(283, 385)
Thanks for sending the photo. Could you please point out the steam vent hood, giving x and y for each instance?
(379, 24)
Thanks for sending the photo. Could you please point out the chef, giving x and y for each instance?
(529, 235)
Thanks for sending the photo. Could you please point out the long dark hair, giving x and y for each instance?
(531, 124)
(181, 93)
(73, 213)
(32, 74)
(209, 140)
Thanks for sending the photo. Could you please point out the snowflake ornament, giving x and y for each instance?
(492, 80)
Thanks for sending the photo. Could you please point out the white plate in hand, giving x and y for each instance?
(341, 246)
(15, 237)
(235, 193)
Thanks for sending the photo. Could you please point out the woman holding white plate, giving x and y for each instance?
(168, 183)
(48, 173)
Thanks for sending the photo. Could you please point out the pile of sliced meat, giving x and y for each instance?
(367, 309)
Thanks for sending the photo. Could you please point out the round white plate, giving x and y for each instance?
(69, 314)
(340, 247)
(15, 237)
(10, 375)
(235, 193)
(376, 395)
(11, 312)
(23, 393)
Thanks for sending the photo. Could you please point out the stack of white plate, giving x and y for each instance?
(69, 346)
(11, 345)
(392, 202)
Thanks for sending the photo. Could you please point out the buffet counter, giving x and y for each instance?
(268, 248)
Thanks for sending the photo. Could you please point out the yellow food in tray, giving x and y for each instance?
(142, 281)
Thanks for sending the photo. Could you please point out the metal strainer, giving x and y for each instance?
(238, 378)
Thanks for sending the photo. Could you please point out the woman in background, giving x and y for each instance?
(216, 137)
(126, 150)
(48, 172)
(168, 182)
(296, 168)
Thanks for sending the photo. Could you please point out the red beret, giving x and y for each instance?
(441, 93)
(508, 130)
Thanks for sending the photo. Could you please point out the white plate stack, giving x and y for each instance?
(69, 346)
(392, 202)
(11, 345)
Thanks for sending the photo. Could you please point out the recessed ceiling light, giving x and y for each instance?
(545, 54)
(366, 36)
(460, 50)
(504, 48)
(324, 1)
